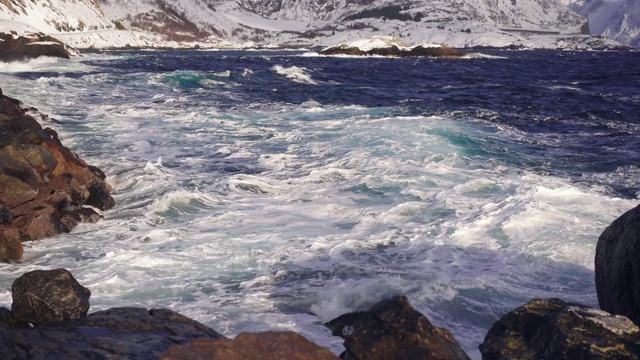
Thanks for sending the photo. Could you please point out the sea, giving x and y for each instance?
(276, 190)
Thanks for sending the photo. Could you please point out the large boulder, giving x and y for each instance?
(392, 329)
(44, 187)
(15, 47)
(554, 329)
(264, 346)
(49, 297)
(618, 266)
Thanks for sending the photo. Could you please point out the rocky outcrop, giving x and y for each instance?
(120, 333)
(48, 297)
(44, 187)
(618, 266)
(554, 329)
(392, 329)
(14, 47)
(265, 346)
(395, 51)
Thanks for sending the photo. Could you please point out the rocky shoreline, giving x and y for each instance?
(46, 189)
(15, 47)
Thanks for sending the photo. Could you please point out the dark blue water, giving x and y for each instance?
(578, 113)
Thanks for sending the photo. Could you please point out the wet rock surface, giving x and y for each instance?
(392, 329)
(554, 329)
(45, 189)
(48, 297)
(617, 266)
(14, 47)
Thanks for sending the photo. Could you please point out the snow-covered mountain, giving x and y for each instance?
(614, 19)
(216, 23)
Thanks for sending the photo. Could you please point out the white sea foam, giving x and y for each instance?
(48, 64)
(297, 74)
(254, 218)
(485, 56)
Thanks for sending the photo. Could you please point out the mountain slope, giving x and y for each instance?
(614, 19)
(216, 23)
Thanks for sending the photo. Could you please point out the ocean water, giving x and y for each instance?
(276, 190)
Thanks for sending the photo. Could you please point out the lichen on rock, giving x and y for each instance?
(554, 329)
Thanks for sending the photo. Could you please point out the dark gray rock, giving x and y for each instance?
(99, 197)
(392, 329)
(48, 322)
(119, 333)
(395, 51)
(618, 266)
(49, 297)
(553, 329)
(5, 214)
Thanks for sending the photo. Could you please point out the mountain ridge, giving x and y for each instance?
(304, 23)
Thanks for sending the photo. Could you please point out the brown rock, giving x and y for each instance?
(48, 297)
(264, 346)
(68, 184)
(392, 329)
(70, 219)
(30, 156)
(16, 188)
(38, 224)
(10, 245)
(14, 48)
(43, 185)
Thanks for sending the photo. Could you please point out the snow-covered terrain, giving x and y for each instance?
(246, 23)
(613, 19)
(307, 23)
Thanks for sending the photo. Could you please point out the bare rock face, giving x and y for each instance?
(44, 187)
(618, 266)
(49, 297)
(554, 329)
(14, 47)
(264, 346)
(392, 329)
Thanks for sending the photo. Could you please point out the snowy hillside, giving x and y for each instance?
(273, 23)
(614, 19)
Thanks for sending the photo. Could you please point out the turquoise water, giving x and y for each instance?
(268, 190)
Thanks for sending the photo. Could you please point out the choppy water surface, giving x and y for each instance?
(277, 190)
